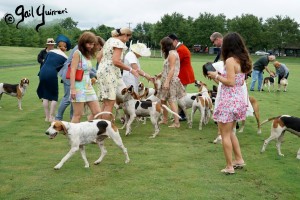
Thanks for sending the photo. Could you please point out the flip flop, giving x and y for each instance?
(227, 171)
(239, 166)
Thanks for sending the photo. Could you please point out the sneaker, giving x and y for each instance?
(251, 90)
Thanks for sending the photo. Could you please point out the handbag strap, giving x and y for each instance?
(80, 60)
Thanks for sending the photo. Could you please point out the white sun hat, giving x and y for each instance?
(50, 41)
(141, 49)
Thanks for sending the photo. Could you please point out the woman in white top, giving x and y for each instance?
(132, 59)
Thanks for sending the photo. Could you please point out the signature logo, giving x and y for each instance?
(40, 12)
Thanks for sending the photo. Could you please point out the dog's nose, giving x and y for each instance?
(47, 133)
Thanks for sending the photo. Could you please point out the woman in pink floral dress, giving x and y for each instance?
(232, 106)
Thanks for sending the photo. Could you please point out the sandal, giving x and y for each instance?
(174, 125)
(227, 171)
(239, 166)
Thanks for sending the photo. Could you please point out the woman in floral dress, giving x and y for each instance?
(109, 69)
(232, 106)
(171, 87)
(82, 91)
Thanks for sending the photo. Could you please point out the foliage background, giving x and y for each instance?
(273, 33)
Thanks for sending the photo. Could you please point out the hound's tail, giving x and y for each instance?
(104, 113)
(170, 111)
(267, 120)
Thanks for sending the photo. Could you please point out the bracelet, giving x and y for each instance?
(217, 76)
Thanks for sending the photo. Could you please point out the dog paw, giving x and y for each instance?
(86, 166)
(281, 154)
(57, 167)
(152, 136)
(127, 161)
(97, 162)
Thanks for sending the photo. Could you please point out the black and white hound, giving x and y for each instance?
(15, 90)
(87, 132)
(133, 108)
(281, 124)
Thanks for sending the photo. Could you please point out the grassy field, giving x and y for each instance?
(178, 164)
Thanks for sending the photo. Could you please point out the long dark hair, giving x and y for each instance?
(87, 37)
(166, 45)
(234, 46)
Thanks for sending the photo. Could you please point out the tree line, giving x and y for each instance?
(273, 33)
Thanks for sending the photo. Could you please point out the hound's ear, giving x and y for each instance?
(124, 91)
(62, 127)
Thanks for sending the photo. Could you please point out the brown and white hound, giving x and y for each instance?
(86, 132)
(203, 102)
(15, 90)
(281, 124)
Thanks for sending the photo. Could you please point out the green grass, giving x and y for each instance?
(178, 164)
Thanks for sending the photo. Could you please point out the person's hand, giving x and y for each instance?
(212, 75)
(73, 94)
(272, 74)
(93, 81)
(151, 78)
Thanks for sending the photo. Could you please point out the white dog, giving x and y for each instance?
(203, 103)
(87, 132)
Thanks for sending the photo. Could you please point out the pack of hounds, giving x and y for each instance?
(145, 104)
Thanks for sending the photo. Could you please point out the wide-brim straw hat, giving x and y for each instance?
(63, 38)
(140, 49)
(50, 41)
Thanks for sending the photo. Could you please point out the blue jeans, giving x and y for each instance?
(256, 75)
(64, 104)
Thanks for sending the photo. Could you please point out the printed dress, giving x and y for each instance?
(232, 105)
(84, 89)
(176, 89)
(109, 76)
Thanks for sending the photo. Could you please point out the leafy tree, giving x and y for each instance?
(68, 23)
(142, 33)
(205, 25)
(249, 27)
(104, 31)
(281, 32)
(174, 23)
(4, 33)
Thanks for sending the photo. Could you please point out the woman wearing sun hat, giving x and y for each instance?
(42, 55)
(132, 59)
(48, 85)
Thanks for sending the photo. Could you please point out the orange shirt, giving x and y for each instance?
(186, 73)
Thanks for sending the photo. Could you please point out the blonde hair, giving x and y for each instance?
(276, 64)
(121, 31)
